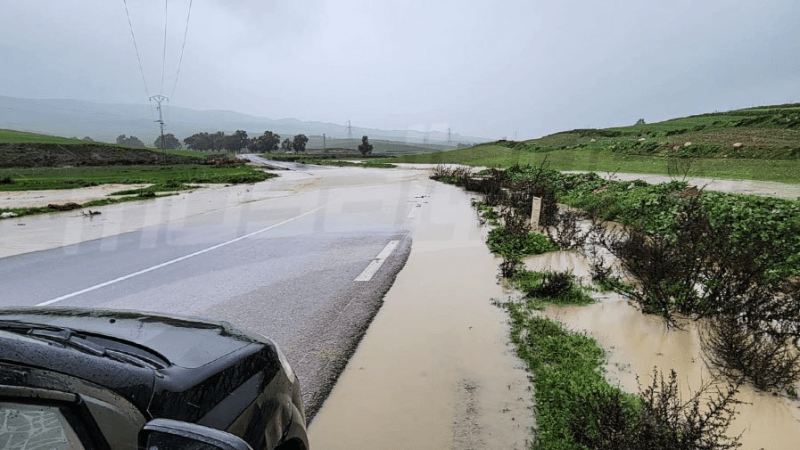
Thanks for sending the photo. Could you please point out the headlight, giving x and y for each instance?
(285, 364)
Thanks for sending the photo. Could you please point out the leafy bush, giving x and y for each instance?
(560, 288)
(532, 243)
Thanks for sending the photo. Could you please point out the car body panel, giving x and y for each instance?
(177, 368)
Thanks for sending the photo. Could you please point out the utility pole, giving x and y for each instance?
(158, 99)
(323, 143)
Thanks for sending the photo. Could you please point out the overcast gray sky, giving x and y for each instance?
(483, 68)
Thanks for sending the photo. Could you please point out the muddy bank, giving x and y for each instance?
(434, 370)
(635, 343)
(90, 154)
(32, 199)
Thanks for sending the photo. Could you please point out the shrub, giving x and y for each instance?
(737, 349)
(561, 288)
(566, 230)
(504, 243)
(662, 421)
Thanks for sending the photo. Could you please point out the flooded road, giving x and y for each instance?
(434, 371)
(636, 343)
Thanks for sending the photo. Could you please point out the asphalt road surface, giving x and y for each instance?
(308, 269)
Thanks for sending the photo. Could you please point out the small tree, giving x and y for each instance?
(265, 143)
(299, 143)
(365, 148)
(170, 141)
(199, 141)
(237, 141)
(132, 141)
(287, 145)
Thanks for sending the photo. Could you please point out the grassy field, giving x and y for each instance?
(21, 137)
(757, 143)
(37, 178)
(193, 153)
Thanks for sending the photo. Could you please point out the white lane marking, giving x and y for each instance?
(182, 258)
(414, 211)
(376, 263)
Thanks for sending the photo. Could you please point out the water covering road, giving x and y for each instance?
(278, 258)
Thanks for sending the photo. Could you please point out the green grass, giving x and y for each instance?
(787, 171)
(192, 153)
(21, 137)
(550, 287)
(165, 181)
(567, 368)
(654, 208)
(488, 213)
(770, 151)
(510, 246)
(22, 179)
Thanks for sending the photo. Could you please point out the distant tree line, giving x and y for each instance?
(219, 141)
(238, 141)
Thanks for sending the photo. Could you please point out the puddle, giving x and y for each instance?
(635, 343)
(434, 371)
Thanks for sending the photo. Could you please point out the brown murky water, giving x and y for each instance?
(434, 371)
(635, 343)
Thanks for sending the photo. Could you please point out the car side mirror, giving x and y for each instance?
(166, 434)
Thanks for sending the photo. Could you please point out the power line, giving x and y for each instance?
(164, 55)
(147, 91)
(183, 47)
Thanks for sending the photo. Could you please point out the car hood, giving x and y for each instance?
(183, 342)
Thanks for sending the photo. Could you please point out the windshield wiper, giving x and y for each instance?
(69, 338)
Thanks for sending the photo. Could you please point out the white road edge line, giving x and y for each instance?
(182, 258)
(376, 263)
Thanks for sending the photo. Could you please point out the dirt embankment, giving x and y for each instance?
(59, 155)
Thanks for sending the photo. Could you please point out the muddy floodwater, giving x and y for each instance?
(636, 343)
(435, 369)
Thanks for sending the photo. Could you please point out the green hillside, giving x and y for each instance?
(760, 143)
(21, 137)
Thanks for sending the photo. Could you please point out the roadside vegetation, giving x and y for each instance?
(677, 252)
(756, 144)
(576, 407)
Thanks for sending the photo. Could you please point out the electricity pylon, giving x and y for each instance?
(158, 99)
